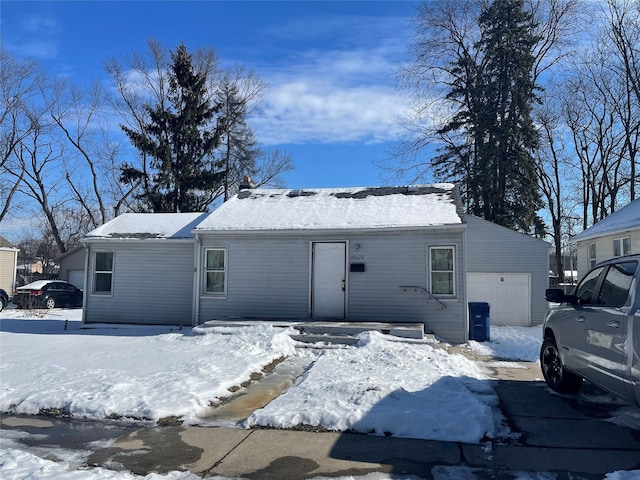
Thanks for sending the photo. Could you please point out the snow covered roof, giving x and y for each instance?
(627, 218)
(148, 225)
(411, 206)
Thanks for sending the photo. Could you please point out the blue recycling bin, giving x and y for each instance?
(479, 321)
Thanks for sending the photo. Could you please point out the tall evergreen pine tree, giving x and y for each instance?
(492, 131)
(180, 139)
(505, 169)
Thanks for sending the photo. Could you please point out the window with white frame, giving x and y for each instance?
(102, 272)
(592, 255)
(442, 270)
(215, 271)
(621, 246)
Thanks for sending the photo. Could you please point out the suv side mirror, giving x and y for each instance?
(555, 295)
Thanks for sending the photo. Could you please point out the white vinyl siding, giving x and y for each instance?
(269, 276)
(152, 283)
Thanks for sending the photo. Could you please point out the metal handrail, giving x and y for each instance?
(406, 288)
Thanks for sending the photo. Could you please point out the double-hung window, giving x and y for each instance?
(592, 255)
(621, 246)
(442, 270)
(215, 271)
(103, 272)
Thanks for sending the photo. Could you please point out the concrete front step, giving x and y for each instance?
(316, 338)
(332, 332)
(404, 330)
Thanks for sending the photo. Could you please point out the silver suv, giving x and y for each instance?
(594, 333)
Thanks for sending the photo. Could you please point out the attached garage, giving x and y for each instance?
(508, 270)
(508, 294)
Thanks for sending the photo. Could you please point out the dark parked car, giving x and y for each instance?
(4, 299)
(594, 333)
(47, 294)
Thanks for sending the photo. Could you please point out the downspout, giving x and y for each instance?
(464, 297)
(195, 308)
(86, 281)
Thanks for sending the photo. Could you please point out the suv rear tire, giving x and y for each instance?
(556, 376)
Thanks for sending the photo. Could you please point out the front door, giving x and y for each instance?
(328, 280)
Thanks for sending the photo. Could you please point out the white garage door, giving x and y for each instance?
(76, 277)
(508, 294)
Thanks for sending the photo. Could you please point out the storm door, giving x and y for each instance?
(328, 280)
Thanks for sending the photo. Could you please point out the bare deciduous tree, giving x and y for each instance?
(623, 32)
(603, 121)
(554, 168)
(74, 113)
(18, 85)
(40, 157)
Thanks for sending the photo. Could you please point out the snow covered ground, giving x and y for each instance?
(50, 363)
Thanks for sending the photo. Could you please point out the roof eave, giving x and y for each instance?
(331, 231)
(614, 231)
(87, 240)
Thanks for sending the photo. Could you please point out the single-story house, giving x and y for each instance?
(616, 235)
(8, 265)
(383, 254)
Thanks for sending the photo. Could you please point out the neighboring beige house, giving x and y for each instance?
(8, 265)
(614, 236)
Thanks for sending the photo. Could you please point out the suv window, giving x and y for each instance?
(586, 290)
(616, 285)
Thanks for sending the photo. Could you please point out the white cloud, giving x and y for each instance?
(305, 110)
(346, 95)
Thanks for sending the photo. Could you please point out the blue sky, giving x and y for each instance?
(332, 100)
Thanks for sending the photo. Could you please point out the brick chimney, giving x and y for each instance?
(247, 184)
